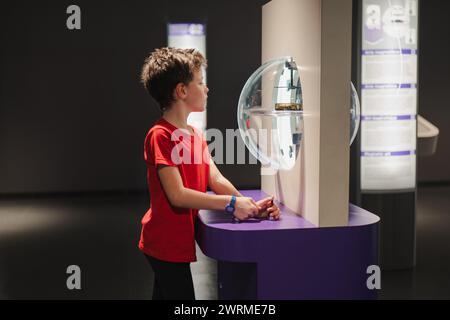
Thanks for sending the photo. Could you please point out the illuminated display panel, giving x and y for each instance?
(190, 35)
(389, 95)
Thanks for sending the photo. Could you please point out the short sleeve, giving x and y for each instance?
(160, 148)
(206, 155)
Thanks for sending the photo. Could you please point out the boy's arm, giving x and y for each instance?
(218, 183)
(221, 185)
(180, 196)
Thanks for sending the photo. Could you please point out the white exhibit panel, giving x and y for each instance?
(184, 36)
(389, 95)
(317, 35)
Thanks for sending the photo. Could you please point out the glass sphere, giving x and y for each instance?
(270, 113)
(355, 113)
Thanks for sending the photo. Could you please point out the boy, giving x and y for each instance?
(173, 77)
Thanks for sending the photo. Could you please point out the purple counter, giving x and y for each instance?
(290, 258)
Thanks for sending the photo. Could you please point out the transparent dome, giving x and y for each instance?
(355, 113)
(270, 113)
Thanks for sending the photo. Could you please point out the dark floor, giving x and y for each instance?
(430, 279)
(40, 237)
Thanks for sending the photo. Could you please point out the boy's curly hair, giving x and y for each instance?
(165, 67)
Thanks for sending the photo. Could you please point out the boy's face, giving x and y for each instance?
(196, 93)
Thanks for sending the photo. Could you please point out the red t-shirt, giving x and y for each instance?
(168, 232)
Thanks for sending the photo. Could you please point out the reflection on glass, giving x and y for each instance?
(270, 113)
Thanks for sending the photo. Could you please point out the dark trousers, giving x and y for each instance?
(173, 280)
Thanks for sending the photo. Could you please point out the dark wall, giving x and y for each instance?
(434, 82)
(73, 116)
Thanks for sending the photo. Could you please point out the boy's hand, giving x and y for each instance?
(268, 209)
(245, 208)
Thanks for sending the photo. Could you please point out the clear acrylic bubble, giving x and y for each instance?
(355, 113)
(270, 113)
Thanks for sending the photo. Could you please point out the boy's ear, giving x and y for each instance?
(180, 91)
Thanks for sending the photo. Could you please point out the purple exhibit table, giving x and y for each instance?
(290, 258)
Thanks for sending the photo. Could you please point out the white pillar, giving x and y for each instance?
(317, 34)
